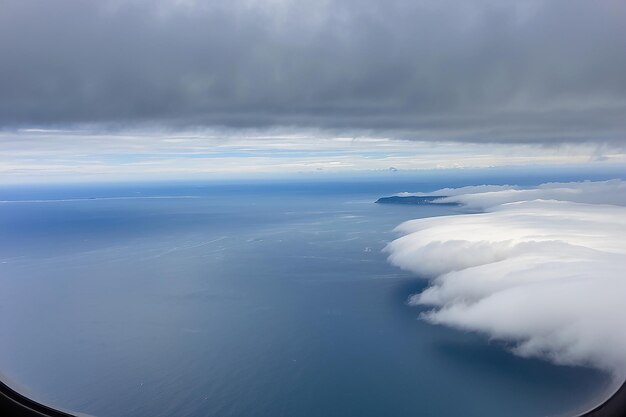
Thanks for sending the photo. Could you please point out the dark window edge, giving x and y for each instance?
(615, 406)
(13, 403)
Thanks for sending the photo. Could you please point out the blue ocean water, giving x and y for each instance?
(243, 299)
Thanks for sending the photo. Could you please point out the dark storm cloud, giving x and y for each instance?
(527, 71)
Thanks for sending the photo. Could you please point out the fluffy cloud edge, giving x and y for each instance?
(540, 268)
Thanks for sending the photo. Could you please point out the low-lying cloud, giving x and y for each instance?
(541, 268)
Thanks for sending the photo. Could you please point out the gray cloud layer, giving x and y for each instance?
(479, 70)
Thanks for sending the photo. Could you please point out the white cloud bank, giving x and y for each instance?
(542, 268)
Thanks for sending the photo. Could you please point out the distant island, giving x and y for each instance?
(412, 200)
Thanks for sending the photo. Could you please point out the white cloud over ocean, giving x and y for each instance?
(541, 268)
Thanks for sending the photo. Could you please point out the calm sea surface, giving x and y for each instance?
(261, 299)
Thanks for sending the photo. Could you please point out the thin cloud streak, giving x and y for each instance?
(33, 156)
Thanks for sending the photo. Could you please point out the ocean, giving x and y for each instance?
(259, 298)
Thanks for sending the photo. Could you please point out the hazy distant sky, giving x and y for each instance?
(548, 72)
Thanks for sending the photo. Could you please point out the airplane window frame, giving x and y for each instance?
(15, 404)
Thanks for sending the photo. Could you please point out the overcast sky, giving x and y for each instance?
(483, 71)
